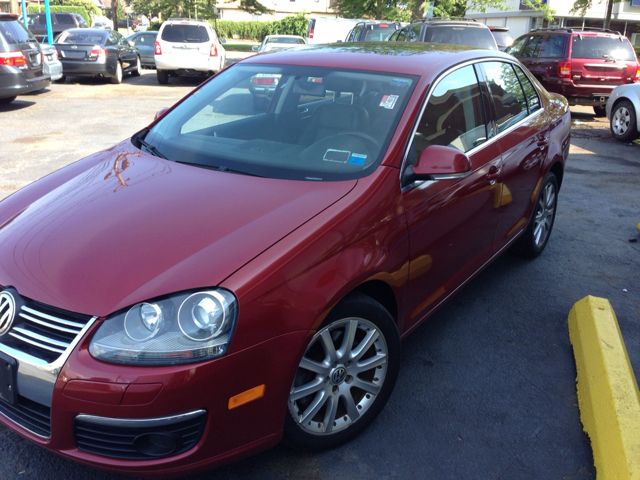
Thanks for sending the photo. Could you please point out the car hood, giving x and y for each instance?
(130, 227)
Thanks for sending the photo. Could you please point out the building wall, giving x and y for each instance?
(281, 9)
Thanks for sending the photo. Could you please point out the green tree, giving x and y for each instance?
(90, 7)
(581, 6)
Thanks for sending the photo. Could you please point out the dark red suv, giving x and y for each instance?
(583, 65)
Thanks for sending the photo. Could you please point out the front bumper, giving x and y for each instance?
(91, 400)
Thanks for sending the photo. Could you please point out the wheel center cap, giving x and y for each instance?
(338, 375)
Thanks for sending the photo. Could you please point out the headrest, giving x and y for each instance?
(342, 84)
(305, 87)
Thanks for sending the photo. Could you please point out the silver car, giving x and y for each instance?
(52, 65)
(279, 42)
(623, 112)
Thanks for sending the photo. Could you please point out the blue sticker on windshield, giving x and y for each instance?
(399, 82)
(357, 159)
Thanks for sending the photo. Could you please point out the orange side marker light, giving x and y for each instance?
(246, 397)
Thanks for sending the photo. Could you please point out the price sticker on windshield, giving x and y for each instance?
(388, 101)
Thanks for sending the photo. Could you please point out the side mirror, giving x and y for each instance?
(161, 112)
(437, 162)
(224, 40)
(339, 41)
(255, 48)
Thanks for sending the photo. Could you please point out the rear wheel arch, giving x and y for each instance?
(381, 292)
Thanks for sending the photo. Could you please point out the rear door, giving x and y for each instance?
(602, 60)
(186, 41)
(553, 51)
(145, 44)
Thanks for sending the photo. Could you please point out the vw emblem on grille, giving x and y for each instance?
(7, 312)
(338, 375)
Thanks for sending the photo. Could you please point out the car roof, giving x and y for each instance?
(190, 21)
(395, 57)
(449, 21)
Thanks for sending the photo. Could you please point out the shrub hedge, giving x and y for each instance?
(56, 8)
(291, 25)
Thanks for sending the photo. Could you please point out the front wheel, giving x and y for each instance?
(345, 377)
(623, 122)
(138, 70)
(535, 238)
(117, 78)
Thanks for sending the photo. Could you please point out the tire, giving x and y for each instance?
(623, 122)
(62, 79)
(535, 238)
(138, 70)
(7, 100)
(117, 78)
(600, 111)
(163, 77)
(334, 396)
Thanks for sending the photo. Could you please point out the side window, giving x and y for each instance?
(402, 36)
(356, 34)
(532, 47)
(413, 35)
(394, 36)
(553, 47)
(514, 49)
(350, 36)
(533, 101)
(65, 19)
(454, 116)
(508, 98)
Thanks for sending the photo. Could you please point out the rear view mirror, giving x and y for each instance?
(437, 162)
(161, 112)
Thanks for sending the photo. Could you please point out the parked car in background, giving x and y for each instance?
(373, 31)
(52, 65)
(101, 22)
(329, 30)
(142, 27)
(97, 53)
(623, 111)
(144, 43)
(503, 37)
(21, 65)
(37, 23)
(278, 42)
(268, 263)
(127, 23)
(583, 65)
(186, 46)
(455, 32)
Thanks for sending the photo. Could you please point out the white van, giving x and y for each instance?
(329, 30)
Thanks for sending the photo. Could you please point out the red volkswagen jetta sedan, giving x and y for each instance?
(233, 276)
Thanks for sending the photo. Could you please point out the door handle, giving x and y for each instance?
(493, 174)
(543, 142)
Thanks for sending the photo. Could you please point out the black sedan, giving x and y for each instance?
(97, 53)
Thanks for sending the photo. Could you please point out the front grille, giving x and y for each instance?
(42, 331)
(138, 440)
(28, 414)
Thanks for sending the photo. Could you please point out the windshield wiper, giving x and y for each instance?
(221, 168)
(150, 148)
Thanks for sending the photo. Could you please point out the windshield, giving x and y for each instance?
(185, 34)
(379, 33)
(590, 46)
(79, 37)
(461, 35)
(290, 122)
(294, 40)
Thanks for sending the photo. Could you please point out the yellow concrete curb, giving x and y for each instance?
(608, 394)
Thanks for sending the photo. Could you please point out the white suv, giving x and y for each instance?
(187, 47)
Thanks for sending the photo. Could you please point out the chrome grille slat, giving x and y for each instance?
(69, 323)
(41, 338)
(50, 325)
(36, 344)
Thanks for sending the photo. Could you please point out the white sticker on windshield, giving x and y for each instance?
(388, 101)
(338, 156)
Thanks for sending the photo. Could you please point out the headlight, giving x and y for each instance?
(183, 328)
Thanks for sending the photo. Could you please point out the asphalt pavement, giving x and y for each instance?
(487, 385)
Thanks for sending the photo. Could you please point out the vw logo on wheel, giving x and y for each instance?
(338, 375)
(7, 312)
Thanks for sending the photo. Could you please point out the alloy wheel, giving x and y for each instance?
(339, 376)
(545, 212)
(621, 121)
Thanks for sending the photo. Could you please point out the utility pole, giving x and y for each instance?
(114, 14)
(607, 18)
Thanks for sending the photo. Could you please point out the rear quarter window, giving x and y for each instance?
(461, 35)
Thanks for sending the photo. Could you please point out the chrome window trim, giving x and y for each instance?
(35, 377)
(139, 422)
(474, 150)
